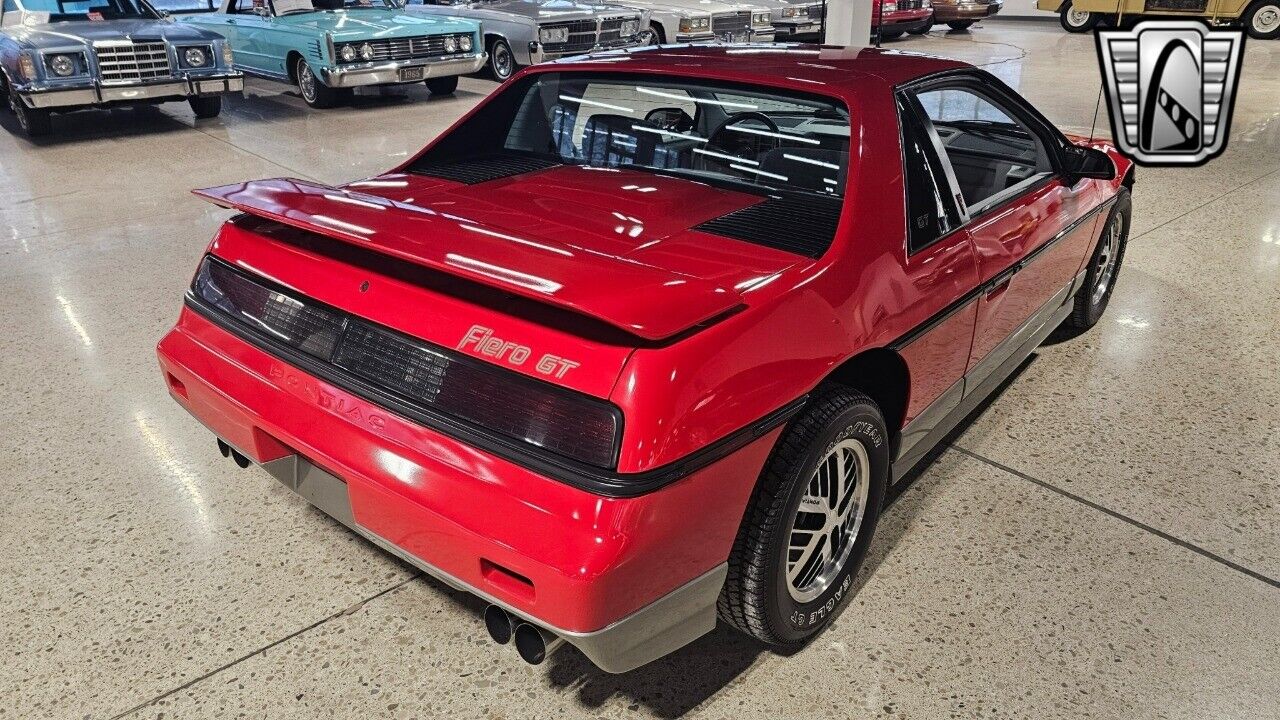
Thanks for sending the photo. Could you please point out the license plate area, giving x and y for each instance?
(732, 37)
(412, 74)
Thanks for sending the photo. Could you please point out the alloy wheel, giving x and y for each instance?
(827, 521)
(1107, 255)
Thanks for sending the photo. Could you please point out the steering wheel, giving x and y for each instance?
(715, 137)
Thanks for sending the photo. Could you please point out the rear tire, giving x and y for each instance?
(785, 581)
(1077, 21)
(1262, 20)
(891, 34)
(314, 92)
(443, 85)
(961, 24)
(1104, 267)
(206, 107)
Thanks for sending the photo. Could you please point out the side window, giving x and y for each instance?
(10, 6)
(930, 210)
(992, 154)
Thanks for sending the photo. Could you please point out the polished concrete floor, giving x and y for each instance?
(1101, 541)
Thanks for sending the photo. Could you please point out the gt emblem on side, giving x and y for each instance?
(483, 342)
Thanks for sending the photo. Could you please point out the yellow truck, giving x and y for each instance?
(1261, 18)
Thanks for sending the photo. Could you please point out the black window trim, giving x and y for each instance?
(907, 103)
(990, 88)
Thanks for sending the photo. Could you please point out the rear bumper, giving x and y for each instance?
(621, 579)
(93, 93)
(966, 11)
(388, 73)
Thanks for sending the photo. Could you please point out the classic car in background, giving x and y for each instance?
(796, 20)
(962, 14)
(328, 47)
(527, 32)
(1260, 18)
(680, 21)
(64, 55)
(892, 19)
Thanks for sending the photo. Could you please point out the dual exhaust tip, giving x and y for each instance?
(228, 451)
(533, 643)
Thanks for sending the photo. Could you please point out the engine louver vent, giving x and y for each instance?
(484, 169)
(800, 225)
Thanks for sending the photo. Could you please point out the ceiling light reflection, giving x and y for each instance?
(502, 274)
(74, 321)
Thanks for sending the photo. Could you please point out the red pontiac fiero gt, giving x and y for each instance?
(645, 338)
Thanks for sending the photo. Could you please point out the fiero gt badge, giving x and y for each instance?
(480, 340)
(1170, 89)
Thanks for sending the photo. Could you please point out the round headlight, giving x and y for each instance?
(366, 51)
(348, 53)
(195, 57)
(450, 44)
(62, 65)
(464, 43)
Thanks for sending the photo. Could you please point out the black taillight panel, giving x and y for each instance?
(430, 378)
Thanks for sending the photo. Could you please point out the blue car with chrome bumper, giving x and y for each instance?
(64, 55)
(327, 47)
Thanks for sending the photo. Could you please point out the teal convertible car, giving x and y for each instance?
(327, 47)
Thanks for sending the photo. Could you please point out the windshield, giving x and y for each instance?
(287, 7)
(746, 137)
(60, 10)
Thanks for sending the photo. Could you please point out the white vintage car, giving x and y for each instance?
(680, 21)
(527, 32)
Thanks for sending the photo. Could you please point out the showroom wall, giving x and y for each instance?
(1023, 8)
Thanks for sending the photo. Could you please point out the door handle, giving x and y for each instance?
(999, 286)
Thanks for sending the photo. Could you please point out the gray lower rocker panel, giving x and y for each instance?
(667, 624)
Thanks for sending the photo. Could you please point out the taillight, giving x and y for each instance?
(433, 380)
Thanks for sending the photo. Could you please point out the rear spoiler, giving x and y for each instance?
(645, 301)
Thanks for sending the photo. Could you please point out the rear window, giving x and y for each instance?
(746, 137)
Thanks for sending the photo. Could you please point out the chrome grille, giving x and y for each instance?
(408, 48)
(730, 22)
(817, 11)
(611, 30)
(910, 4)
(582, 37)
(126, 62)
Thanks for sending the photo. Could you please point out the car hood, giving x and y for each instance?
(552, 10)
(61, 34)
(543, 12)
(684, 7)
(373, 23)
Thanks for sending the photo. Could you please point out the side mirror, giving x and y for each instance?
(1083, 162)
(670, 118)
(262, 12)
